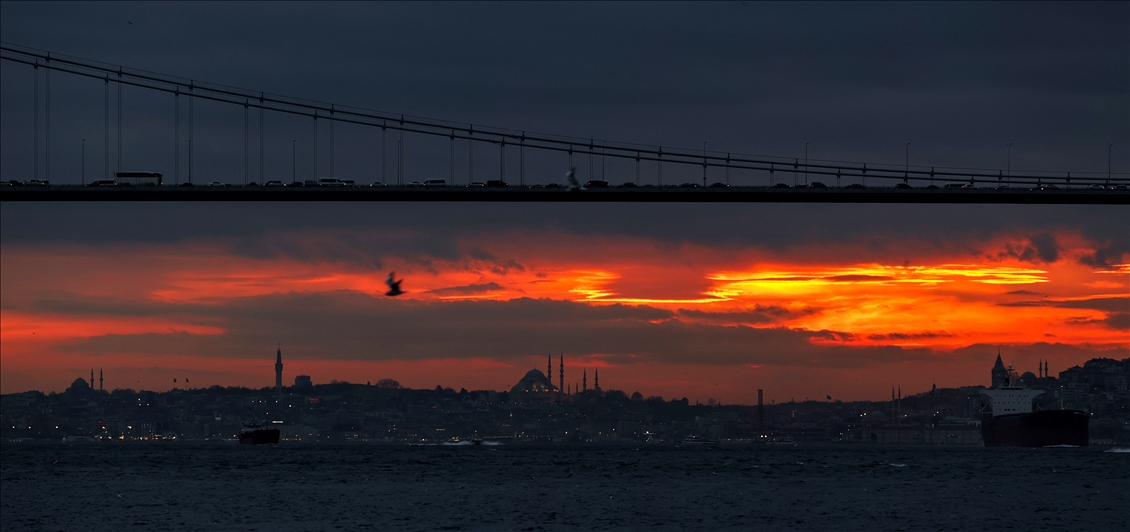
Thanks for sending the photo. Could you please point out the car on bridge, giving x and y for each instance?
(103, 183)
(957, 185)
(856, 186)
(817, 184)
(902, 186)
(430, 183)
(719, 185)
(496, 183)
(274, 184)
(596, 183)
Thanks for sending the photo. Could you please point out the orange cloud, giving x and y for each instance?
(947, 300)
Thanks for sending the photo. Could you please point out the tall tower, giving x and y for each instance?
(99, 379)
(91, 378)
(585, 381)
(561, 374)
(999, 373)
(278, 371)
(549, 371)
(596, 380)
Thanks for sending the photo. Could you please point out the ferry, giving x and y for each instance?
(255, 434)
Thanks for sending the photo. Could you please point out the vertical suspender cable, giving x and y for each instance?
(119, 119)
(590, 160)
(261, 138)
(106, 134)
(176, 136)
(47, 133)
(246, 143)
(315, 145)
(400, 155)
(332, 173)
(191, 127)
(35, 120)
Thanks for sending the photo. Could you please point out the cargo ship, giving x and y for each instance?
(254, 434)
(1013, 417)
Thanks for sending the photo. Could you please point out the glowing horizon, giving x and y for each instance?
(653, 313)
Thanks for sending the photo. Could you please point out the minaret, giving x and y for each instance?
(91, 378)
(561, 368)
(549, 370)
(278, 371)
(596, 380)
(99, 379)
(585, 380)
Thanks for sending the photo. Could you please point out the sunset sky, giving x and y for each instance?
(701, 301)
(695, 300)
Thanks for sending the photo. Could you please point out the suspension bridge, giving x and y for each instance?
(737, 177)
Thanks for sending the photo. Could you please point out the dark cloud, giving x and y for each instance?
(1021, 355)
(1109, 254)
(422, 232)
(1118, 320)
(909, 336)
(347, 325)
(1040, 248)
(858, 278)
(1105, 304)
(760, 314)
(466, 290)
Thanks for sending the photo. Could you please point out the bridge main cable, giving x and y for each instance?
(525, 139)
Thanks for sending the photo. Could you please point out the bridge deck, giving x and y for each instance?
(527, 194)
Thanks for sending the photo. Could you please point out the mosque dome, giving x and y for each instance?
(535, 374)
(80, 383)
(534, 381)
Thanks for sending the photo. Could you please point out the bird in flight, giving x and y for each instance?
(393, 286)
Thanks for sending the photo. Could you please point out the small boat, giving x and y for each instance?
(254, 434)
(698, 440)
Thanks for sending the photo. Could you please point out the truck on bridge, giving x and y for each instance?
(138, 179)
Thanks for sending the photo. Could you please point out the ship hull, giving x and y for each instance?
(259, 436)
(1037, 429)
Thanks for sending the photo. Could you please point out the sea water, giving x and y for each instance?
(298, 487)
